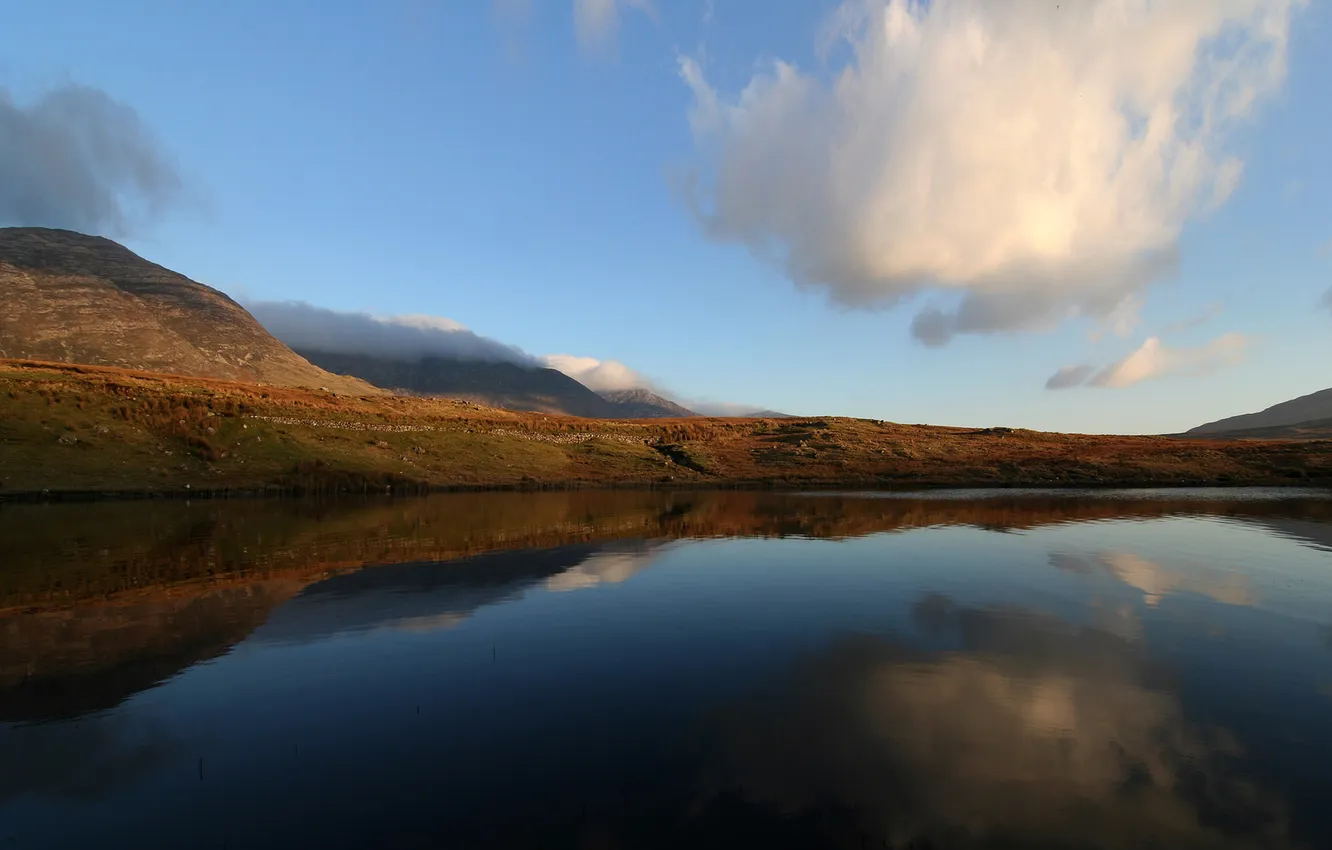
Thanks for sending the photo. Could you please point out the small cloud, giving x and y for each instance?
(1154, 359)
(1069, 377)
(1211, 311)
(512, 17)
(1327, 299)
(597, 21)
(597, 375)
(1325, 250)
(305, 327)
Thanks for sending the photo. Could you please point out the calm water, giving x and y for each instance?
(1120, 670)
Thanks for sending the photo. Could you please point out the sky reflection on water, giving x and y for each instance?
(1125, 678)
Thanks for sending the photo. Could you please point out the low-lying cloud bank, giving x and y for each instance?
(1027, 161)
(76, 158)
(305, 327)
(1154, 359)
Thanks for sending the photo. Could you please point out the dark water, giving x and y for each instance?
(1120, 670)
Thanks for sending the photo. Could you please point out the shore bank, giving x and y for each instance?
(80, 432)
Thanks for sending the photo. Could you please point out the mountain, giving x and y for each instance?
(491, 383)
(639, 403)
(514, 386)
(1285, 419)
(73, 298)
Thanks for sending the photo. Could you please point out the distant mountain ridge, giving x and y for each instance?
(73, 298)
(491, 383)
(638, 403)
(497, 383)
(1305, 411)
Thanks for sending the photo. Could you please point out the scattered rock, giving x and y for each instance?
(67, 439)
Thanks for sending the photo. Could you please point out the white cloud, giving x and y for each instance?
(597, 375)
(597, 21)
(305, 327)
(421, 321)
(1033, 160)
(1153, 359)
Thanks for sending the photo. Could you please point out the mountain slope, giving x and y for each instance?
(73, 298)
(1309, 408)
(491, 383)
(638, 403)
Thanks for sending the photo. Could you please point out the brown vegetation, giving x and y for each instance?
(93, 429)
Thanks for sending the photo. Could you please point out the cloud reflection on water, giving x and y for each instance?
(1036, 733)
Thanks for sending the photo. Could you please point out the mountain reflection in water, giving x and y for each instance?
(670, 669)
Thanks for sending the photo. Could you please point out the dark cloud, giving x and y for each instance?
(1070, 376)
(75, 158)
(305, 327)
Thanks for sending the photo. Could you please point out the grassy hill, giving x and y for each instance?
(94, 429)
(73, 298)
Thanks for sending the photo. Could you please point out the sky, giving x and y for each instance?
(1092, 215)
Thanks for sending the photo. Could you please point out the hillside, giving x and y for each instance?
(497, 383)
(639, 403)
(512, 386)
(1305, 409)
(95, 430)
(73, 298)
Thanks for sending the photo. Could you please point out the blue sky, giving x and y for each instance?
(494, 164)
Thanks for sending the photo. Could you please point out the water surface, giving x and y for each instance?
(955, 669)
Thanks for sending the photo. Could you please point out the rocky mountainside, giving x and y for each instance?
(73, 298)
(639, 403)
(491, 383)
(1303, 411)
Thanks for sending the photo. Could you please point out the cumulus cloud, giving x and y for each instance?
(305, 327)
(597, 375)
(1154, 359)
(597, 21)
(76, 158)
(1026, 161)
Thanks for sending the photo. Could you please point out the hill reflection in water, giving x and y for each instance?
(672, 669)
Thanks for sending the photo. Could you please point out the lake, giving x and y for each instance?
(1120, 669)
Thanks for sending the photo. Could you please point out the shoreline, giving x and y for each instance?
(853, 487)
(82, 433)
